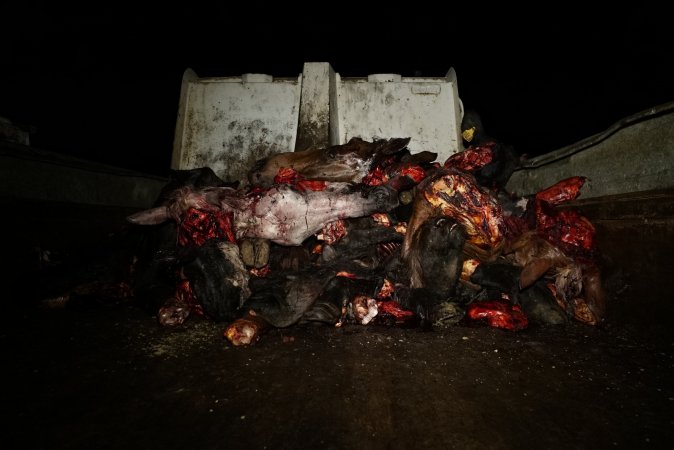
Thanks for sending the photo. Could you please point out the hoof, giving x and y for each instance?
(385, 198)
(255, 252)
(406, 197)
(446, 314)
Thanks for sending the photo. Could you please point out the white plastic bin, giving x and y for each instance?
(228, 123)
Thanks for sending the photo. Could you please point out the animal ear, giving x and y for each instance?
(391, 146)
(594, 292)
(533, 271)
(152, 216)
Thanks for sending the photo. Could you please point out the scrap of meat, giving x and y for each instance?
(401, 171)
(536, 300)
(288, 175)
(246, 330)
(390, 311)
(198, 227)
(455, 194)
(363, 309)
(562, 191)
(491, 162)
(472, 158)
(348, 162)
(566, 229)
(154, 256)
(281, 214)
(498, 314)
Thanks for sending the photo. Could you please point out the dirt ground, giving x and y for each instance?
(103, 374)
(107, 376)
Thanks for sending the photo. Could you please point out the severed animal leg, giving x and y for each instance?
(246, 330)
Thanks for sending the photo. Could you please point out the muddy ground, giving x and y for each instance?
(101, 373)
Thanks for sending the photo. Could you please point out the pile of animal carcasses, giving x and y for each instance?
(367, 233)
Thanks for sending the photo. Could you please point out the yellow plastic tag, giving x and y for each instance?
(468, 134)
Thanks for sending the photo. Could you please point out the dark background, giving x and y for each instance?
(103, 83)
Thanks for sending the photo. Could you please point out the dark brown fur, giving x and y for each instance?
(348, 162)
(573, 280)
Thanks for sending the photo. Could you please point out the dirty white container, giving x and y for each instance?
(228, 123)
(428, 110)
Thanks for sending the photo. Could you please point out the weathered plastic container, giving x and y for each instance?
(381, 106)
(228, 123)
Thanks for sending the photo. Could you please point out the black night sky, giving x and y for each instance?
(103, 83)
